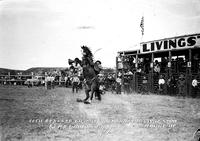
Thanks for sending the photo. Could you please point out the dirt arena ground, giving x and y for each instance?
(37, 114)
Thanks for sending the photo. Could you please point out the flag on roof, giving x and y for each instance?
(142, 25)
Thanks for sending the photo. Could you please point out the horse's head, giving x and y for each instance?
(86, 51)
(87, 58)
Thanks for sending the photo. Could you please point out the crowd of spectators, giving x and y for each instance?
(173, 83)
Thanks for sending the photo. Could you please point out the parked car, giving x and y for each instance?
(36, 81)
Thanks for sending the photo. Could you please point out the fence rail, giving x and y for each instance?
(21, 79)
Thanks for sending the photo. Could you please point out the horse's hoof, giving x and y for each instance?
(87, 102)
(79, 100)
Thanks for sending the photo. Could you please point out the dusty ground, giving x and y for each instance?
(36, 114)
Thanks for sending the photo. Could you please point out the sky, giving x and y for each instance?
(46, 33)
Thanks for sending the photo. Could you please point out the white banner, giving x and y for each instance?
(182, 42)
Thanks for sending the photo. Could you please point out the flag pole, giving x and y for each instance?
(141, 29)
(142, 26)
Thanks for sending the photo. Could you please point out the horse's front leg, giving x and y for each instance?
(87, 100)
(92, 94)
(98, 94)
(87, 93)
(93, 89)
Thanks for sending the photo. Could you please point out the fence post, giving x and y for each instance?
(32, 77)
(122, 87)
(152, 89)
(189, 75)
(60, 78)
(45, 80)
(9, 78)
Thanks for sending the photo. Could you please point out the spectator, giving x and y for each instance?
(75, 82)
(156, 67)
(144, 87)
(171, 83)
(163, 64)
(181, 85)
(66, 79)
(195, 87)
(161, 83)
(195, 63)
(118, 87)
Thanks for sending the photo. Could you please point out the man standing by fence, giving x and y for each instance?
(49, 81)
(75, 82)
(195, 86)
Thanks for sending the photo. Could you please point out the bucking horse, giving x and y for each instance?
(90, 71)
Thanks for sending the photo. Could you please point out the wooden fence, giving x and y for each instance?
(21, 79)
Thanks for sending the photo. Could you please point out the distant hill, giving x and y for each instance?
(4, 71)
(42, 70)
(35, 70)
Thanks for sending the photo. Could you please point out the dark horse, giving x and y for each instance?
(90, 72)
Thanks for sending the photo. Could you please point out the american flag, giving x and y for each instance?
(142, 25)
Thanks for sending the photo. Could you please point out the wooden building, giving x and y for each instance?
(170, 58)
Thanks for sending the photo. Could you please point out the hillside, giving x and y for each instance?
(35, 70)
(4, 71)
(42, 70)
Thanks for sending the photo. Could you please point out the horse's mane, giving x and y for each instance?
(87, 51)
